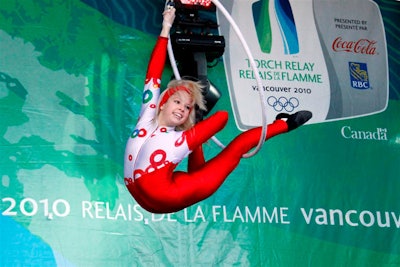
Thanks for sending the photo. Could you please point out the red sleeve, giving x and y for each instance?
(196, 159)
(158, 58)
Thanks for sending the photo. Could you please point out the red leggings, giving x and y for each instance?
(165, 191)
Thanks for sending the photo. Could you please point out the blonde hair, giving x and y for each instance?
(195, 89)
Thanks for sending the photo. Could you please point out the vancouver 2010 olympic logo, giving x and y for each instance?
(283, 103)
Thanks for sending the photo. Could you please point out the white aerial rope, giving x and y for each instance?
(254, 67)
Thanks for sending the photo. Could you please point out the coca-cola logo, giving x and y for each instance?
(362, 46)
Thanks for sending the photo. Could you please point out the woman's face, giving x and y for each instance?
(176, 110)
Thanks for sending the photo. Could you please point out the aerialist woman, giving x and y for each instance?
(166, 133)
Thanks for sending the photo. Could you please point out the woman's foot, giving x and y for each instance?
(296, 119)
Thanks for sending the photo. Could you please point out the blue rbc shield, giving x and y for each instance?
(359, 78)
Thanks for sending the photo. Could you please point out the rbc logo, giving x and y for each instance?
(358, 75)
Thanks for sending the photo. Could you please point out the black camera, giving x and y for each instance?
(196, 30)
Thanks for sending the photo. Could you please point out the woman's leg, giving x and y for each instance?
(205, 129)
(165, 191)
(203, 182)
(214, 172)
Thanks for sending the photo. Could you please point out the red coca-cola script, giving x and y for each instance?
(362, 46)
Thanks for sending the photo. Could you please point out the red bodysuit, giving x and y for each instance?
(153, 152)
